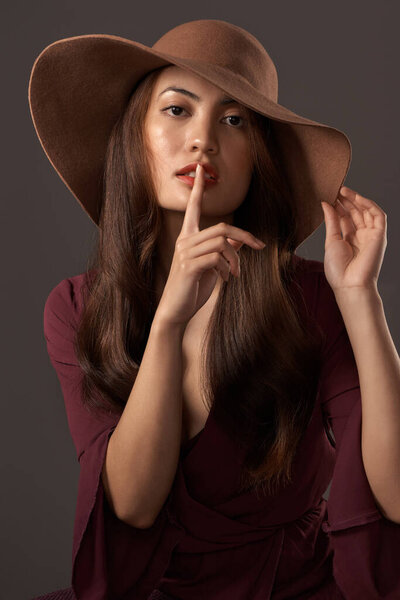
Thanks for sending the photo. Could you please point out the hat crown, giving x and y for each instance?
(226, 46)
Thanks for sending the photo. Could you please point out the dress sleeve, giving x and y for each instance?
(365, 544)
(109, 558)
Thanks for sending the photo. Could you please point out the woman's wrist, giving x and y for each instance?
(162, 324)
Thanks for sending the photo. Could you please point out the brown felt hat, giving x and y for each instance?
(79, 86)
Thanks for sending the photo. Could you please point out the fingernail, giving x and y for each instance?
(198, 168)
(260, 242)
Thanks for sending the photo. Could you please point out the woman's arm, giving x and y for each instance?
(354, 248)
(378, 367)
(143, 451)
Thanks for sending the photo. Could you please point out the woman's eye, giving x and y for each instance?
(235, 117)
(173, 107)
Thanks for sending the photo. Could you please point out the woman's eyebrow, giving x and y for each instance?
(224, 100)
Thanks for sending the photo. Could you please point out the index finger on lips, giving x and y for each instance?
(191, 220)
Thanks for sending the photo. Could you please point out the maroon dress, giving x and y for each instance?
(211, 542)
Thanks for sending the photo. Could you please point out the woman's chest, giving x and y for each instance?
(194, 409)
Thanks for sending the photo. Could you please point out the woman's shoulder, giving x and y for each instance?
(320, 297)
(65, 299)
(308, 274)
(316, 290)
(307, 265)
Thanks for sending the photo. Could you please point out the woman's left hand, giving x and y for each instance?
(355, 259)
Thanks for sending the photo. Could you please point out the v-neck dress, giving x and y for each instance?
(211, 542)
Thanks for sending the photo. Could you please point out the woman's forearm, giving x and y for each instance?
(143, 451)
(378, 367)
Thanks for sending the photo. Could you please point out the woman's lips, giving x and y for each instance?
(190, 180)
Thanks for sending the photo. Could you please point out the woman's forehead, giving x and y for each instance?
(174, 78)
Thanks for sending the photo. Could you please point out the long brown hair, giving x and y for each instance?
(260, 359)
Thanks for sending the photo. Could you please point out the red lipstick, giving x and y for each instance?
(211, 179)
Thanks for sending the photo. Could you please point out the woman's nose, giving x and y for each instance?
(203, 136)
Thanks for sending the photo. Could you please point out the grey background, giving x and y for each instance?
(337, 64)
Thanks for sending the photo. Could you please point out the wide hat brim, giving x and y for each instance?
(79, 86)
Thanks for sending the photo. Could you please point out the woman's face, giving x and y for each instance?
(199, 129)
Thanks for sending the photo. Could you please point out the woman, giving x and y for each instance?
(204, 371)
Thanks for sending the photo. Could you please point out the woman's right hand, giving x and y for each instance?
(198, 258)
